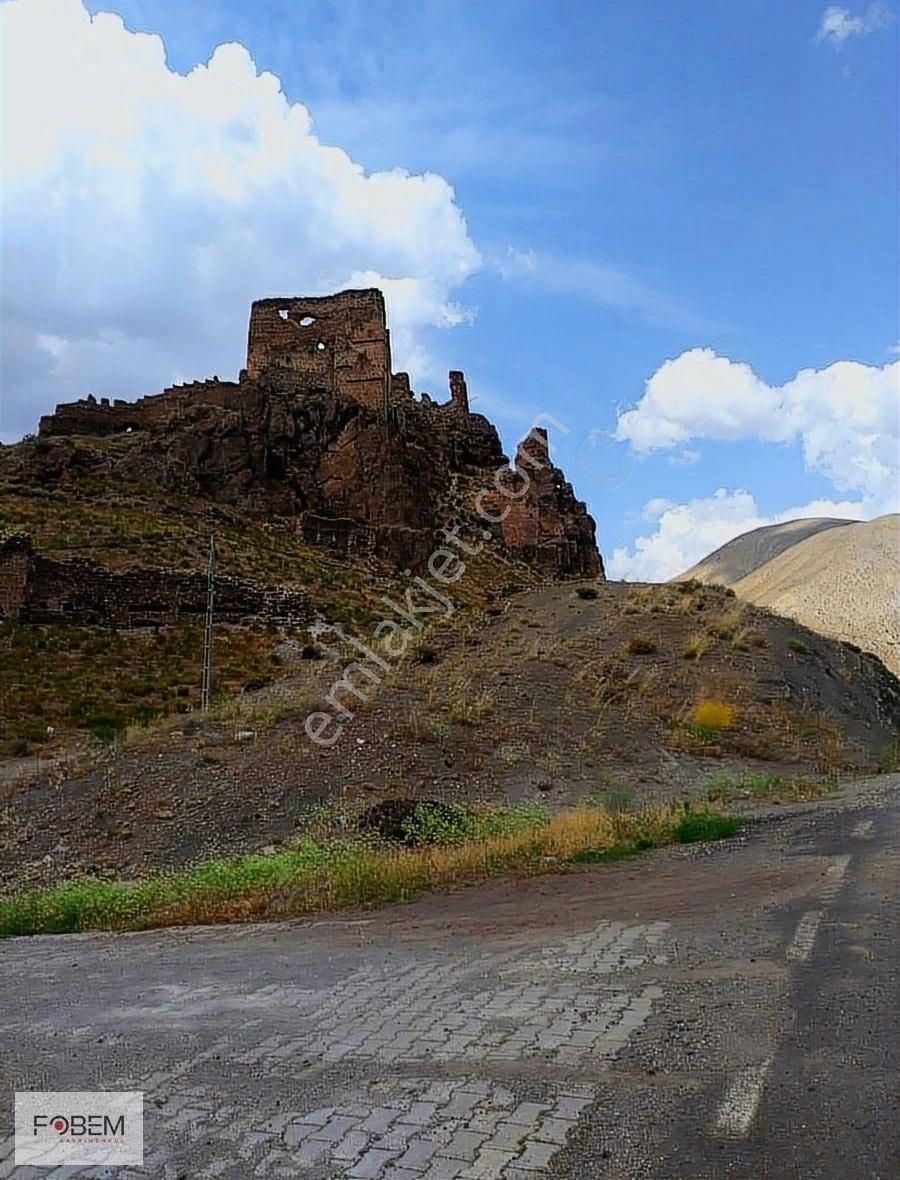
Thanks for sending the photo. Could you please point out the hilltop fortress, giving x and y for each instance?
(319, 429)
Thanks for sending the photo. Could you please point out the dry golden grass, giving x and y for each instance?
(696, 646)
(312, 877)
(728, 624)
(712, 714)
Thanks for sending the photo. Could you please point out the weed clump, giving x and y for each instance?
(697, 826)
(641, 645)
(712, 714)
(695, 646)
(745, 639)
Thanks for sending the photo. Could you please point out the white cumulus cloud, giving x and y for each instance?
(845, 417)
(144, 209)
(839, 25)
(686, 533)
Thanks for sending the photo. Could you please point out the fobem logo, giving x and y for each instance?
(79, 1127)
(81, 1124)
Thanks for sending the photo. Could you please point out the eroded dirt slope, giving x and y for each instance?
(547, 695)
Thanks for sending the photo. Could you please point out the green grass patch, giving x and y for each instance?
(320, 874)
(99, 681)
(456, 823)
(697, 826)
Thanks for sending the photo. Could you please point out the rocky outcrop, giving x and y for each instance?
(547, 526)
(318, 429)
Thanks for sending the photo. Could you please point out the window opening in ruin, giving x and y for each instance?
(321, 346)
(283, 312)
(307, 320)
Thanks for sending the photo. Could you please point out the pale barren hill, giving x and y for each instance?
(744, 554)
(844, 583)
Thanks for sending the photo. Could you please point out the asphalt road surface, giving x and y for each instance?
(729, 1011)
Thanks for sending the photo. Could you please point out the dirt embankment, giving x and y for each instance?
(553, 694)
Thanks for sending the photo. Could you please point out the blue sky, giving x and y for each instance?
(705, 184)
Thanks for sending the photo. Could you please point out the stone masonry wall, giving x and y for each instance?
(338, 343)
(15, 553)
(38, 589)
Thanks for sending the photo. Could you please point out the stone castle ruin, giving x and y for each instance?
(334, 344)
(319, 430)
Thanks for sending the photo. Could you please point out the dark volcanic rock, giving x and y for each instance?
(318, 428)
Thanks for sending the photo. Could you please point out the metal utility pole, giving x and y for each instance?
(206, 686)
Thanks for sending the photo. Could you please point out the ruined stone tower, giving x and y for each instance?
(336, 342)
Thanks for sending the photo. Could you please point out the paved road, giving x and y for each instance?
(723, 1012)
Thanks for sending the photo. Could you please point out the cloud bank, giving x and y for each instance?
(845, 419)
(144, 209)
(686, 533)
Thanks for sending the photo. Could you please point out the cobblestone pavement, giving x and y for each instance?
(660, 1019)
(433, 1048)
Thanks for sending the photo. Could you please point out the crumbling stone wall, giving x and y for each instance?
(39, 589)
(338, 343)
(102, 417)
(15, 554)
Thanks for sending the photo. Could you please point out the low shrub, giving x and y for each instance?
(695, 646)
(713, 715)
(745, 639)
(641, 645)
(725, 626)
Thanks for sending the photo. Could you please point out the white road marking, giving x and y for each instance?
(835, 874)
(864, 829)
(805, 937)
(738, 1108)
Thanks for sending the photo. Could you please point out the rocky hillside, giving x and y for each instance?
(322, 477)
(839, 577)
(399, 611)
(550, 694)
(320, 437)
